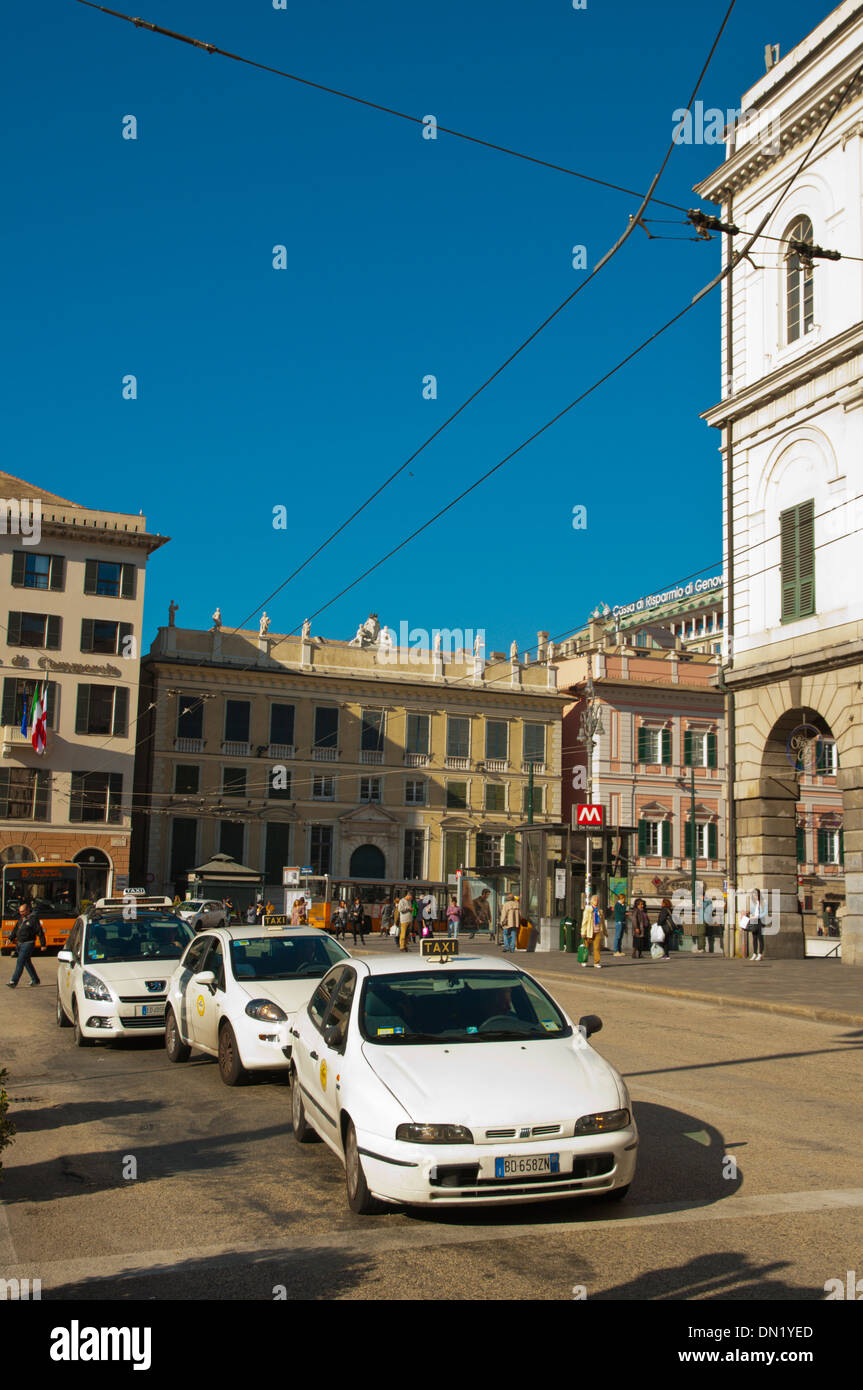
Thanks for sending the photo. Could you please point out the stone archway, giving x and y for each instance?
(367, 861)
(95, 869)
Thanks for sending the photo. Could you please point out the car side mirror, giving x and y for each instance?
(66, 957)
(333, 1034)
(590, 1023)
(205, 978)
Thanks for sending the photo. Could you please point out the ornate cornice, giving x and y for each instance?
(820, 360)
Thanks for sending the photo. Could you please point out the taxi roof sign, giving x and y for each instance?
(275, 919)
(443, 949)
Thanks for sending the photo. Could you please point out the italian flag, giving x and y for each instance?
(38, 719)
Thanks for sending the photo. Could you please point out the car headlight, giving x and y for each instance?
(94, 988)
(434, 1134)
(266, 1010)
(602, 1122)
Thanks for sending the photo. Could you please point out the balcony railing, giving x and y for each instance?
(538, 768)
(233, 748)
(325, 755)
(497, 765)
(375, 756)
(188, 745)
(462, 764)
(417, 759)
(281, 750)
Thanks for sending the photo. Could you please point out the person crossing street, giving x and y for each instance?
(27, 931)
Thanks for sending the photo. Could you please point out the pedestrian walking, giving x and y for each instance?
(592, 926)
(665, 921)
(357, 919)
(259, 912)
(640, 928)
(251, 915)
(414, 917)
(509, 917)
(453, 918)
(340, 919)
(405, 914)
(387, 912)
(482, 912)
(428, 917)
(755, 925)
(26, 933)
(619, 923)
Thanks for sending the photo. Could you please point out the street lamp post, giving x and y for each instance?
(589, 727)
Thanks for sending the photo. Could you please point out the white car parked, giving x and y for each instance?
(457, 1083)
(234, 991)
(112, 976)
(203, 912)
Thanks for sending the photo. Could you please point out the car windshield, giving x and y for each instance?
(147, 936)
(189, 907)
(449, 1005)
(284, 957)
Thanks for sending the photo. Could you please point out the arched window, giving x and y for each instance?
(799, 284)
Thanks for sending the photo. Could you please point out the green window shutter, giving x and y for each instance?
(11, 707)
(712, 841)
(687, 748)
(40, 799)
(87, 626)
(121, 711)
(19, 568)
(665, 839)
(82, 710)
(842, 847)
(76, 797)
(801, 844)
(115, 796)
(711, 751)
(509, 849)
(806, 557)
(666, 747)
(58, 572)
(642, 745)
(822, 846)
(51, 688)
(5, 776)
(687, 839)
(788, 564)
(52, 633)
(13, 633)
(797, 560)
(91, 576)
(130, 579)
(642, 837)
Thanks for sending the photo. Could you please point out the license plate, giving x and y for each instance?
(149, 1010)
(526, 1165)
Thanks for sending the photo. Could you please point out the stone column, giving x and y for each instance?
(767, 860)
(850, 781)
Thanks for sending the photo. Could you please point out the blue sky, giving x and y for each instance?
(406, 257)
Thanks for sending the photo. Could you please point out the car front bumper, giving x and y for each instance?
(262, 1045)
(464, 1174)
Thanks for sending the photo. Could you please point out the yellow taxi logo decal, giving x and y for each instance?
(200, 1006)
(323, 1076)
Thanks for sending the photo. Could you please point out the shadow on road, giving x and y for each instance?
(728, 1275)
(80, 1113)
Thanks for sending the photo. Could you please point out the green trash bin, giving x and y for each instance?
(567, 934)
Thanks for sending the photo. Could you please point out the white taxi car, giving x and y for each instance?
(235, 989)
(112, 976)
(457, 1082)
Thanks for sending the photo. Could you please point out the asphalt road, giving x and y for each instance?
(225, 1205)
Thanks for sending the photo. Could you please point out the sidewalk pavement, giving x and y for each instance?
(817, 989)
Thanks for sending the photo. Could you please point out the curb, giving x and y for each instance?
(812, 1012)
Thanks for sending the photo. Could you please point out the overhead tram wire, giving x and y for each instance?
(372, 105)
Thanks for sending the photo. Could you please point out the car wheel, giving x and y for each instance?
(78, 1037)
(303, 1132)
(231, 1069)
(62, 1017)
(177, 1050)
(360, 1200)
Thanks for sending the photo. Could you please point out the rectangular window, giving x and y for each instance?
(455, 851)
(282, 726)
(31, 571)
(496, 738)
(110, 579)
(826, 758)
(456, 796)
(457, 737)
(488, 850)
(417, 733)
(801, 844)
(534, 743)
(184, 838)
(797, 561)
(232, 839)
(495, 796)
(649, 841)
(654, 746)
(370, 789)
(699, 749)
(372, 732)
(415, 791)
(323, 788)
(321, 852)
(102, 709)
(277, 853)
(326, 726)
(96, 796)
(537, 800)
(233, 781)
(237, 718)
(24, 793)
(830, 847)
(414, 854)
(190, 717)
(34, 630)
(109, 639)
(187, 779)
(18, 696)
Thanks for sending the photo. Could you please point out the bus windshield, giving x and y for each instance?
(51, 889)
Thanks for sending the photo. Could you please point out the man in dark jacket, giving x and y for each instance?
(26, 932)
(357, 919)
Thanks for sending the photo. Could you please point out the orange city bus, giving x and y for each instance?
(53, 889)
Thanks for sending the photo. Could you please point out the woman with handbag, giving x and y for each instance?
(665, 920)
(592, 929)
(640, 928)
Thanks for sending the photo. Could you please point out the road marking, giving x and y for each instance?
(365, 1239)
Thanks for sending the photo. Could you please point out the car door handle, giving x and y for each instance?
(313, 1056)
(294, 1033)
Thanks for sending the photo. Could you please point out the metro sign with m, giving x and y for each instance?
(590, 815)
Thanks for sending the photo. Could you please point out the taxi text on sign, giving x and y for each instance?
(442, 949)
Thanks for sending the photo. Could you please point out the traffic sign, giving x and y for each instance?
(589, 814)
